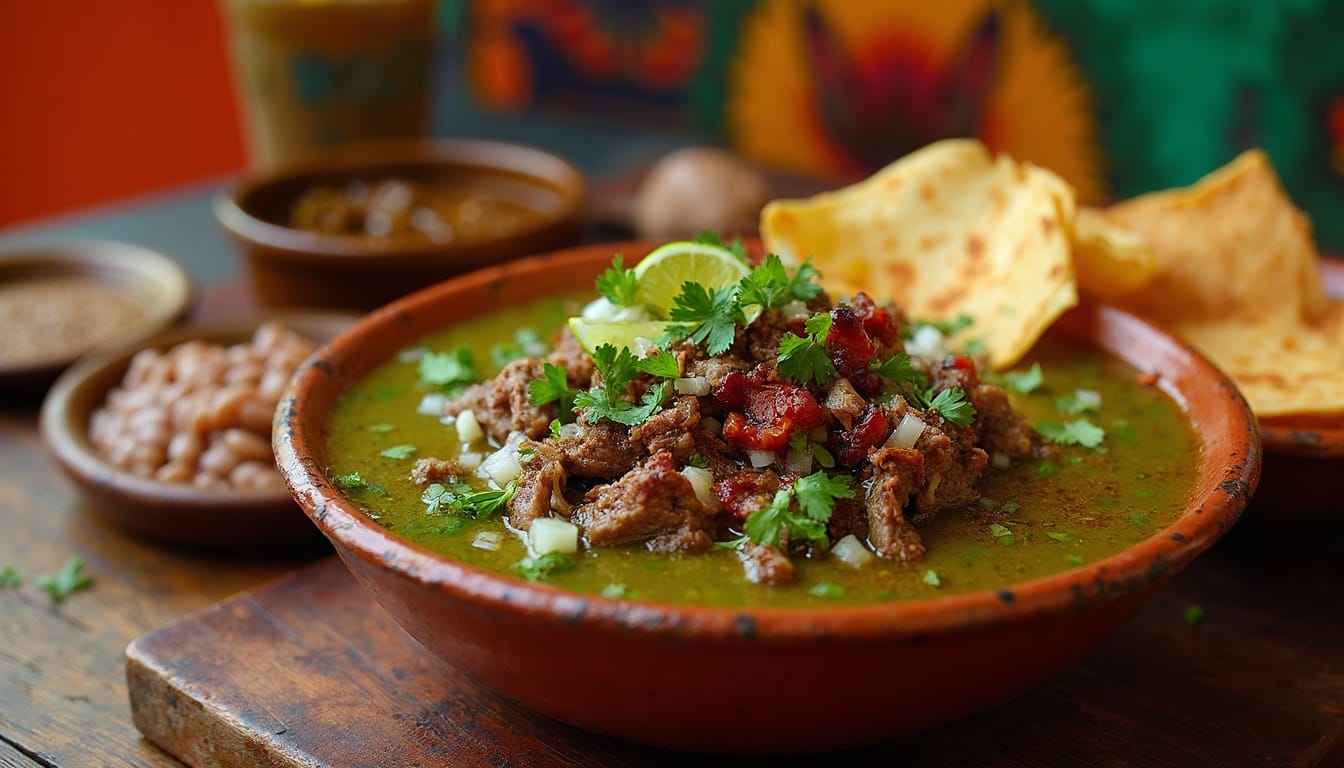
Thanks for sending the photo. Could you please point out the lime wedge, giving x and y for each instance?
(637, 335)
(662, 273)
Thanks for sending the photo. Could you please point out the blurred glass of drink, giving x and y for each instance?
(312, 73)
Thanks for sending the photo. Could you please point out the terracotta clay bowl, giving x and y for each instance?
(1303, 458)
(158, 286)
(741, 679)
(291, 267)
(175, 514)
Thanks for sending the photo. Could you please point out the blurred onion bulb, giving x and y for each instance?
(699, 188)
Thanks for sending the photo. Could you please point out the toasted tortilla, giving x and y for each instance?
(1237, 277)
(1109, 260)
(945, 231)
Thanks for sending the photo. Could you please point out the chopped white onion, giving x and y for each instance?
(1088, 397)
(431, 404)
(570, 431)
(851, 551)
(1000, 460)
(928, 343)
(907, 433)
(702, 480)
(795, 309)
(411, 355)
(798, 462)
(692, 385)
(643, 346)
(711, 425)
(551, 534)
(760, 459)
(469, 460)
(468, 428)
(501, 466)
(487, 540)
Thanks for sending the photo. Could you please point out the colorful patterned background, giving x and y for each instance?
(1118, 96)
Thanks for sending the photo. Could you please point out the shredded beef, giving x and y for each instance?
(744, 491)
(570, 356)
(952, 467)
(671, 429)
(766, 565)
(894, 476)
(541, 487)
(653, 504)
(1001, 430)
(504, 404)
(716, 368)
(431, 470)
(603, 450)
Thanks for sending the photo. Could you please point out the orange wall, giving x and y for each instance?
(101, 99)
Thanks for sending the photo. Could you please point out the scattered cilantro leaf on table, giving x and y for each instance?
(69, 580)
(10, 578)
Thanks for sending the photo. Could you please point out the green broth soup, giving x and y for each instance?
(1033, 519)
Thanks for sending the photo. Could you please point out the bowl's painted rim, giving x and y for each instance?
(542, 167)
(1227, 478)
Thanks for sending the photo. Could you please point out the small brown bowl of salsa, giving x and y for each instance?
(359, 225)
(685, 551)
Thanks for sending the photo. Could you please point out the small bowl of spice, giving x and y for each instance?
(60, 301)
(170, 438)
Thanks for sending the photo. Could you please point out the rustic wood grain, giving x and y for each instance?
(62, 691)
(12, 758)
(308, 671)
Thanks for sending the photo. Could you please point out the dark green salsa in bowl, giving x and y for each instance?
(784, 523)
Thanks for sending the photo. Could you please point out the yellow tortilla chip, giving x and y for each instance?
(1237, 277)
(1108, 260)
(945, 231)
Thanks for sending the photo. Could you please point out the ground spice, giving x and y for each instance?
(52, 317)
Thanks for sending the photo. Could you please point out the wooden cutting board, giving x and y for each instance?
(308, 671)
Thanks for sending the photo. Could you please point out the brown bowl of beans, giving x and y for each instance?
(169, 438)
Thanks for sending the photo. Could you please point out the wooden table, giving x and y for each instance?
(1260, 681)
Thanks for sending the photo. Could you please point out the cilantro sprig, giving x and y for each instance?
(543, 567)
(617, 283)
(770, 286)
(67, 581)
(553, 387)
(913, 384)
(801, 511)
(1079, 431)
(734, 246)
(804, 358)
(610, 401)
(458, 497)
(706, 317)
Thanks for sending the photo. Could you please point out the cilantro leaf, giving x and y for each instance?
(710, 237)
(526, 343)
(946, 327)
(818, 326)
(544, 566)
(1025, 382)
(555, 429)
(617, 283)
(770, 286)
(69, 580)
(480, 504)
(816, 494)
(802, 359)
(630, 414)
(1002, 534)
(615, 590)
(765, 525)
(705, 317)
(953, 406)
(931, 578)
(659, 363)
(350, 481)
(10, 578)
(1077, 432)
(398, 452)
(553, 387)
(900, 371)
(1060, 536)
(449, 369)
(827, 589)
(699, 460)
(1081, 401)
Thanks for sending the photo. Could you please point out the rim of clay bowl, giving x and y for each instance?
(1226, 478)
(527, 164)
